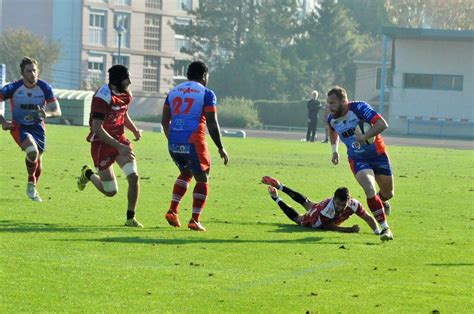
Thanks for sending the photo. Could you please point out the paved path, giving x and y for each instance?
(389, 139)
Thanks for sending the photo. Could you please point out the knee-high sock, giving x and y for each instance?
(179, 189)
(289, 211)
(200, 192)
(377, 209)
(39, 168)
(297, 197)
(31, 169)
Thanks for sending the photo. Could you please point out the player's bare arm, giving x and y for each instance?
(51, 110)
(98, 129)
(166, 119)
(215, 133)
(334, 145)
(371, 222)
(132, 127)
(379, 126)
(5, 123)
(333, 227)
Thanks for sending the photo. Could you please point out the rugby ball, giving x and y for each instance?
(361, 128)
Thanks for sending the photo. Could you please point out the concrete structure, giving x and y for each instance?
(87, 31)
(433, 84)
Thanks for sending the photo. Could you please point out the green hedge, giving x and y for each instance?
(284, 113)
(238, 113)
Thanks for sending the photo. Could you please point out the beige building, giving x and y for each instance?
(91, 31)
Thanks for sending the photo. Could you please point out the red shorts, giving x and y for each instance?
(104, 155)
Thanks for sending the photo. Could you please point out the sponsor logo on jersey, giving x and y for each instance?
(188, 90)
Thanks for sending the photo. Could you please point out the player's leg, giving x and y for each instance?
(384, 179)
(200, 165)
(130, 169)
(296, 196)
(308, 131)
(366, 179)
(29, 146)
(180, 188)
(39, 167)
(289, 211)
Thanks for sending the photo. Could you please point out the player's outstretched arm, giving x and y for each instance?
(132, 127)
(166, 119)
(334, 145)
(4, 122)
(215, 133)
(333, 227)
(371, 222)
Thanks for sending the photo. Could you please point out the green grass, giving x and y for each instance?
(70, 253)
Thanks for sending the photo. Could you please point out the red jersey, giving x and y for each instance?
(111, 107)
(324, 213)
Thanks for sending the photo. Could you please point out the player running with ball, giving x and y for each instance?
(366, 151)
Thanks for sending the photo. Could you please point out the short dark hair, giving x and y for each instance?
(118, 73)
(196, 71)
(27, 60)
(342, 194)
(339, 92)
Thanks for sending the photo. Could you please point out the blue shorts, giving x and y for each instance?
(36, 131)
(190, 156)
(379, 164)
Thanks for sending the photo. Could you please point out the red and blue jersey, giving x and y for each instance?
(25, 102)
(346, 125)
(188, 102)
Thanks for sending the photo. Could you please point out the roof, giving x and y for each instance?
(428, 34)
(73, 94)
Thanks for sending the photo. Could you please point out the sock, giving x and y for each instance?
(31, 169)
(130, 214)
(39, 168)
(377, 209)
(89, 173)
(200, 193)
(179, 189)
(297, 197)
(289, 211)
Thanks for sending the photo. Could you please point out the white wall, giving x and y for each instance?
(433, 57)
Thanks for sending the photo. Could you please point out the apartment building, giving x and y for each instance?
(96, 34)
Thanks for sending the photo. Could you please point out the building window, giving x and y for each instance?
(185, 5)
(180, 24)
(433, 81)
(124, 60)
(95, 69)
(97, 28)
(183, 44)
(98, 1)
(151, 74)
(388, 78)
(122, 20)
(153, 4)
(123, 2)
(152, 32)
(180, 68)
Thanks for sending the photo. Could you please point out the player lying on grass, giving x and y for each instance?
(327, 214)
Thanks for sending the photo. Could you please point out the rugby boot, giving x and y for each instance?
(271, 181)
(386, 235)
(172, 219)
(195, 225)
(133, 222)
(83, 180)
(32, 193)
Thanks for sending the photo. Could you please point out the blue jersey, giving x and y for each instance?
(346, 125)
(188, 102)
(25, 102)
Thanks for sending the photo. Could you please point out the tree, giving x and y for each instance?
(15, 44)
(369, 14)
(442, 14)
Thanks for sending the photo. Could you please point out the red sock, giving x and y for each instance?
(31, 169)
(376, 207)
(179, 189)
(199, 199)
(39, 167)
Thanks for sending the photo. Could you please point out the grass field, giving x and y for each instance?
(71, 253)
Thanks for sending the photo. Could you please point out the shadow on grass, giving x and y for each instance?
(182, 241)
(12, 226)
(450, 264)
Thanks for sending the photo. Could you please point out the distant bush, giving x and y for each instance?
(284, 113)
(238, 113)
